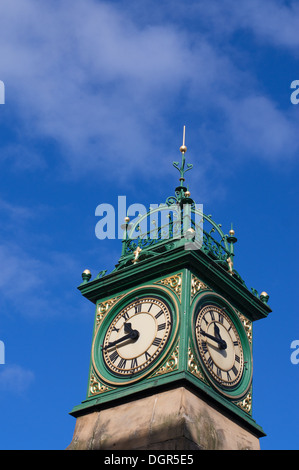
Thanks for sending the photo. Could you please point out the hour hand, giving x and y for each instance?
(216, 331)
(128, 327)
(221, 342)
(133, 334)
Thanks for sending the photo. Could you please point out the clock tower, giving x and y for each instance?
(171, 354)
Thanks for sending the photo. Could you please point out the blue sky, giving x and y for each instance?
(96, 96)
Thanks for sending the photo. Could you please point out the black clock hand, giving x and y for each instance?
(220, 341)
(217, 331)
(128, 328)
(134, 334)
(217, 334)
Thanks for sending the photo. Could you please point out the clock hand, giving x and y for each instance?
(134, 334)
(220, 341)
(128, 328)
(217, 334)
(216, 331)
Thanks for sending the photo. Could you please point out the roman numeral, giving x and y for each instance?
(138, 308)
(157, 341)
(235, 370)
(134, 363)
(204, 346)
(114, 356)
(212, 315)
(125, 316)
(150, 307)
(210, 362)
(220, 318)
(162, 326)
(236, 343)
(115, 329)
(219, 373)
(237, 358)
(159, 314)
(205, 320)
(228, 376)
(122, 363)
(147, 356)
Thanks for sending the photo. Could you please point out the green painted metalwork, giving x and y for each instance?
(150, 260)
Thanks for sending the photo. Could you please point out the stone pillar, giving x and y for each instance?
(170, 420)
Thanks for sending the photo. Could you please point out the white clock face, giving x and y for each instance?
(137, 336)
(219, 346)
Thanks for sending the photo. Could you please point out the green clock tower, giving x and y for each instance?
(171, 354)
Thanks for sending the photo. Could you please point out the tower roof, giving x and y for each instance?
(178, 223)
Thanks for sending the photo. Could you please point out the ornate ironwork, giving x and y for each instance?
(194, 366)
(246, 403)
(174, 283)
(170, 364)
(183, 223)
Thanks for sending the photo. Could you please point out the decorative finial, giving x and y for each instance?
(136, 255)
(126, 225)
(232, 239)
(264, 297)
(230, 263)
(182, 169)
(86, 275)
(183, 147)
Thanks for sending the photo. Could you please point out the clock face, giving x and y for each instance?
(219, 346)
(137, 336)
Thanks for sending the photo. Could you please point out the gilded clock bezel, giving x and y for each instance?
(99, 365)
(241, 387)
(229, 384)
(114, 368)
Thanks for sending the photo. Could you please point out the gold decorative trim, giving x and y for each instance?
(247, 325)
(103, 308)
(106, 307)
(194, 367)
(95, 387)
(170, 364)
(246, 403)
(174, 283)
(196, 286)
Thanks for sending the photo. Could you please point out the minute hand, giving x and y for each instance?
(132, 335)
(220, 341)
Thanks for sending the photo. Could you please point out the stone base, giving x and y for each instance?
(171, 420)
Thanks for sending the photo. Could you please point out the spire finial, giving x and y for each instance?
(183, 147)
(182, 169)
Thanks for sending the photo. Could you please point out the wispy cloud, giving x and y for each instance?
(272, 22)
(15, 379)
(27, 282)
(100, 80)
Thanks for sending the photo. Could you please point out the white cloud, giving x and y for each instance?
(273, 21)
(15, 379)
(27, 283)
(259, 128)
(105, 86)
